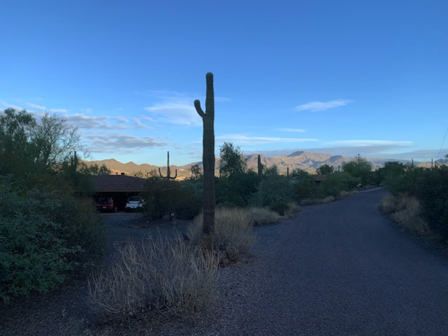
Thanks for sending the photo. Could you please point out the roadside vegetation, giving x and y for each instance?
(48, 233)
(418, 199)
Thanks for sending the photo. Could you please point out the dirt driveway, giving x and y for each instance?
(122, 226)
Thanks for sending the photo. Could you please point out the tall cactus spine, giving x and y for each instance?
(208, 160)
(260, 168)
(168, 172)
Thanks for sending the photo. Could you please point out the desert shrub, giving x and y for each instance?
(406, 211)
(45, 237)
(402, 179)
(432, 191)
(328, 199)
(159, 196)
(233, 231)
(157, 276)
(187, 205)
(236, 189)
(165, 196)
(389, 203)
(337, 182)
(345, 194)
(263, 216)
(311, 201)
(292, 208)
(275, 193)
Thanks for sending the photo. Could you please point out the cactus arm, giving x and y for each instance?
(168, 171)
(197, 105)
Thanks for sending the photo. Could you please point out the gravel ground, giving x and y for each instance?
(335, 269)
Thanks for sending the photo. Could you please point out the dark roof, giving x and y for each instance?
(118, 183)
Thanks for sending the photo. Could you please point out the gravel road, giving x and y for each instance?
(335, 269)
(340, 268)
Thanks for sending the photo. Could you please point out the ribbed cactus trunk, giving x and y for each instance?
(260, 168)
(208, 161)
(168, 171)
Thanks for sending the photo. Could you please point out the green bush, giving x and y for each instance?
(45, 236)
(337, 182)
(275, 193)
(431, 189)
(165, 196)
(237, 189)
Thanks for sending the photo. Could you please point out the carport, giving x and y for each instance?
(119, 187)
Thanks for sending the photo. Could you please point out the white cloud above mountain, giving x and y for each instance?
(317, 106)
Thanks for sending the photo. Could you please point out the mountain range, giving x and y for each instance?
(297, 160)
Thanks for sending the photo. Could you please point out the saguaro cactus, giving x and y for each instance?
(260, 168)
(168, 172)
(208, 160)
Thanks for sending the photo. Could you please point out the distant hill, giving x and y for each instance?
(297, 160)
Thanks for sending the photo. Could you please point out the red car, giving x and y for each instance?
(105, 204)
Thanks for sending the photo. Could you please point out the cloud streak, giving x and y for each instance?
(254, 140)
(365, 143)
(291, 130)
(178, 113)
(121, 144)
(322, 106)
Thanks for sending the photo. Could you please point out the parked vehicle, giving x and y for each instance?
(134, 203)
(105, 204)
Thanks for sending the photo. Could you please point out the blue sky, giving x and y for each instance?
(336, 77)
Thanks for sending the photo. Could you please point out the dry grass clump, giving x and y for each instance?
(405, 210)
(311, 201)
(263, 216)
(292, 208)
(156, 276)
(233, 232)
(345, 194)
(328, 199)
(389, 204)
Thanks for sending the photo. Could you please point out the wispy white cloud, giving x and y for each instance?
(92, 122)
(178, 113)
(252, 140)
(139, 124)
(121, 143)
(176, 107)
(322, 106)
(291, 130)
(15, 107)
(60, 110)
(364, 143)
(36, 107)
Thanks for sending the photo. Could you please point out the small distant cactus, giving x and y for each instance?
(168, 172)
(260, 168)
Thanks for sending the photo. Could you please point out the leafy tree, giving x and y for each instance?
(237, 189)
(359, 168)
(232, 160)
(304, 184)
(271, 172)
(31, 146)
(95, 169)
(196, 172)
(325, 169)
(431, 188)
(337, 182)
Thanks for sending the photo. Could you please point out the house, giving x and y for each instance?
(119, 187)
